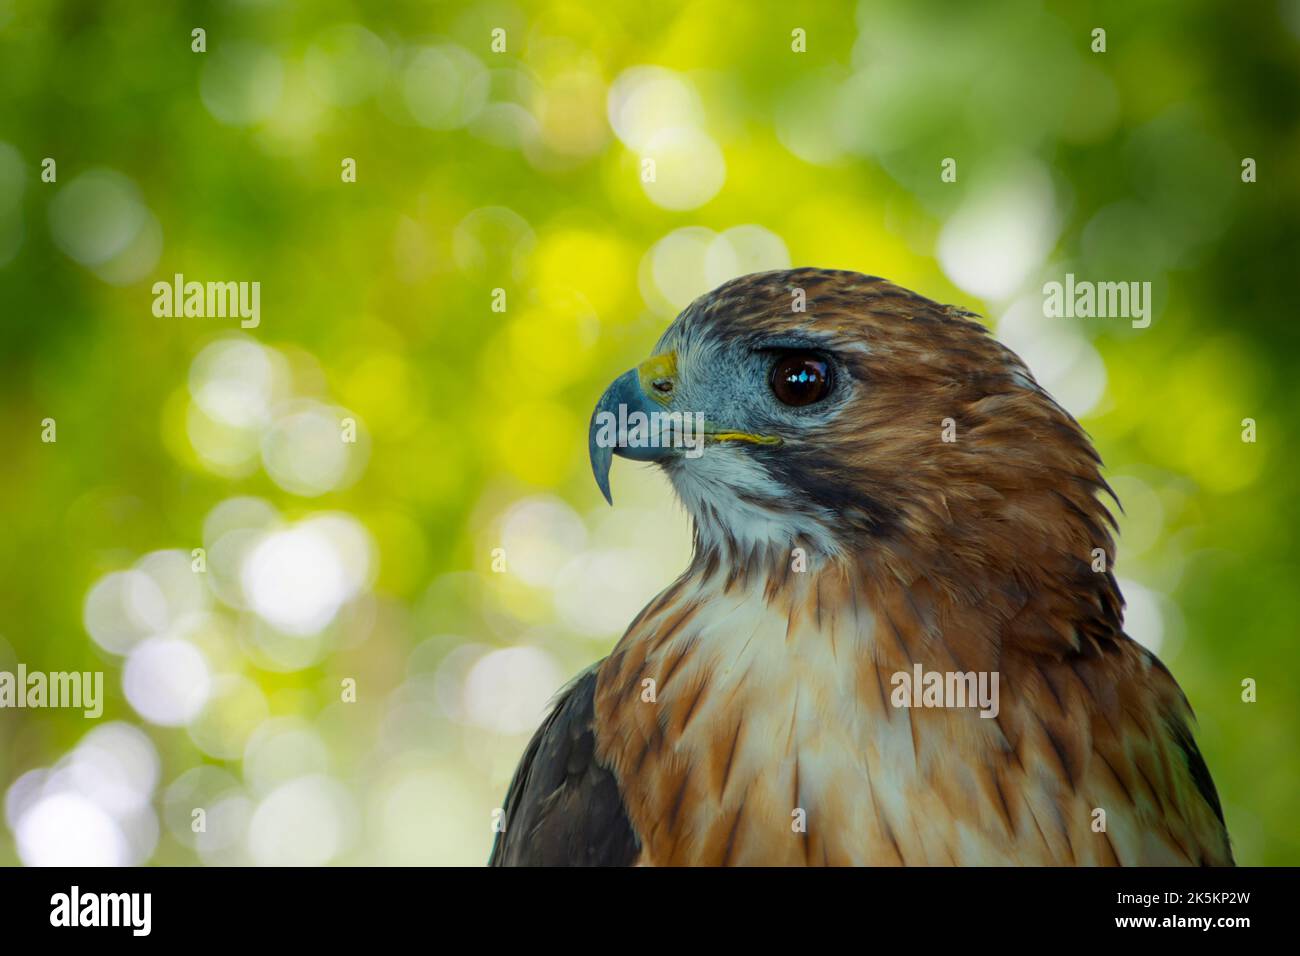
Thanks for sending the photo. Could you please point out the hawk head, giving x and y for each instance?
(850, 417)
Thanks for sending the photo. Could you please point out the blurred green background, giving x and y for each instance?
(327, 561)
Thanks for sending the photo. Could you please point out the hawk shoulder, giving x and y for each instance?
(564, 807)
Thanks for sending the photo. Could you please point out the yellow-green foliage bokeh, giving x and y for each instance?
(521, 170)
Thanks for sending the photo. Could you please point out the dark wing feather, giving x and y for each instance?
(563, 807)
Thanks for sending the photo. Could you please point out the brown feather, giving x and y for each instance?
(973, 555)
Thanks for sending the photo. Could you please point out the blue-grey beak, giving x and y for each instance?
(616, 429)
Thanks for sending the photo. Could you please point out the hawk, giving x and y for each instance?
(883, 493)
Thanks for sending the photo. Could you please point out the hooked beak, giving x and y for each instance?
(613, 429)
(624, 422)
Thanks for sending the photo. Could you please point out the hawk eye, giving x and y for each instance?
(800, 379)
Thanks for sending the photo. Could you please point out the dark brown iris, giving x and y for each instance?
(800, 379)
